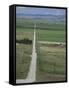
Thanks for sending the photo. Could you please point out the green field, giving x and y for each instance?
(50, 58)
(40, 23)
(51, 35)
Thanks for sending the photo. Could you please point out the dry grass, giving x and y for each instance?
(51, 63)
(23, 53)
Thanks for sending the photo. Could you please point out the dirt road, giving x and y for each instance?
(32, 69)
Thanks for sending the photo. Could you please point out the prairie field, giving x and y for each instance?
(51, 58)
(51, 54)
(23, 52)
(51, 63)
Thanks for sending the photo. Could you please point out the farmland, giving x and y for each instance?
(51, 35)
(50, 58)
(50, 63)
(23, 53)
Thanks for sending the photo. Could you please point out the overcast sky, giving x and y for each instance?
(39, 11)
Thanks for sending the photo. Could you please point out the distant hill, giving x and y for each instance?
(48, 17)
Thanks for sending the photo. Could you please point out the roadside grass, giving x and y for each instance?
(51, 63)
(23, 53)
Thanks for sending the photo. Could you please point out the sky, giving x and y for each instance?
(39, 11)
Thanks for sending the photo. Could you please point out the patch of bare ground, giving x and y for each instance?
(62, 44)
